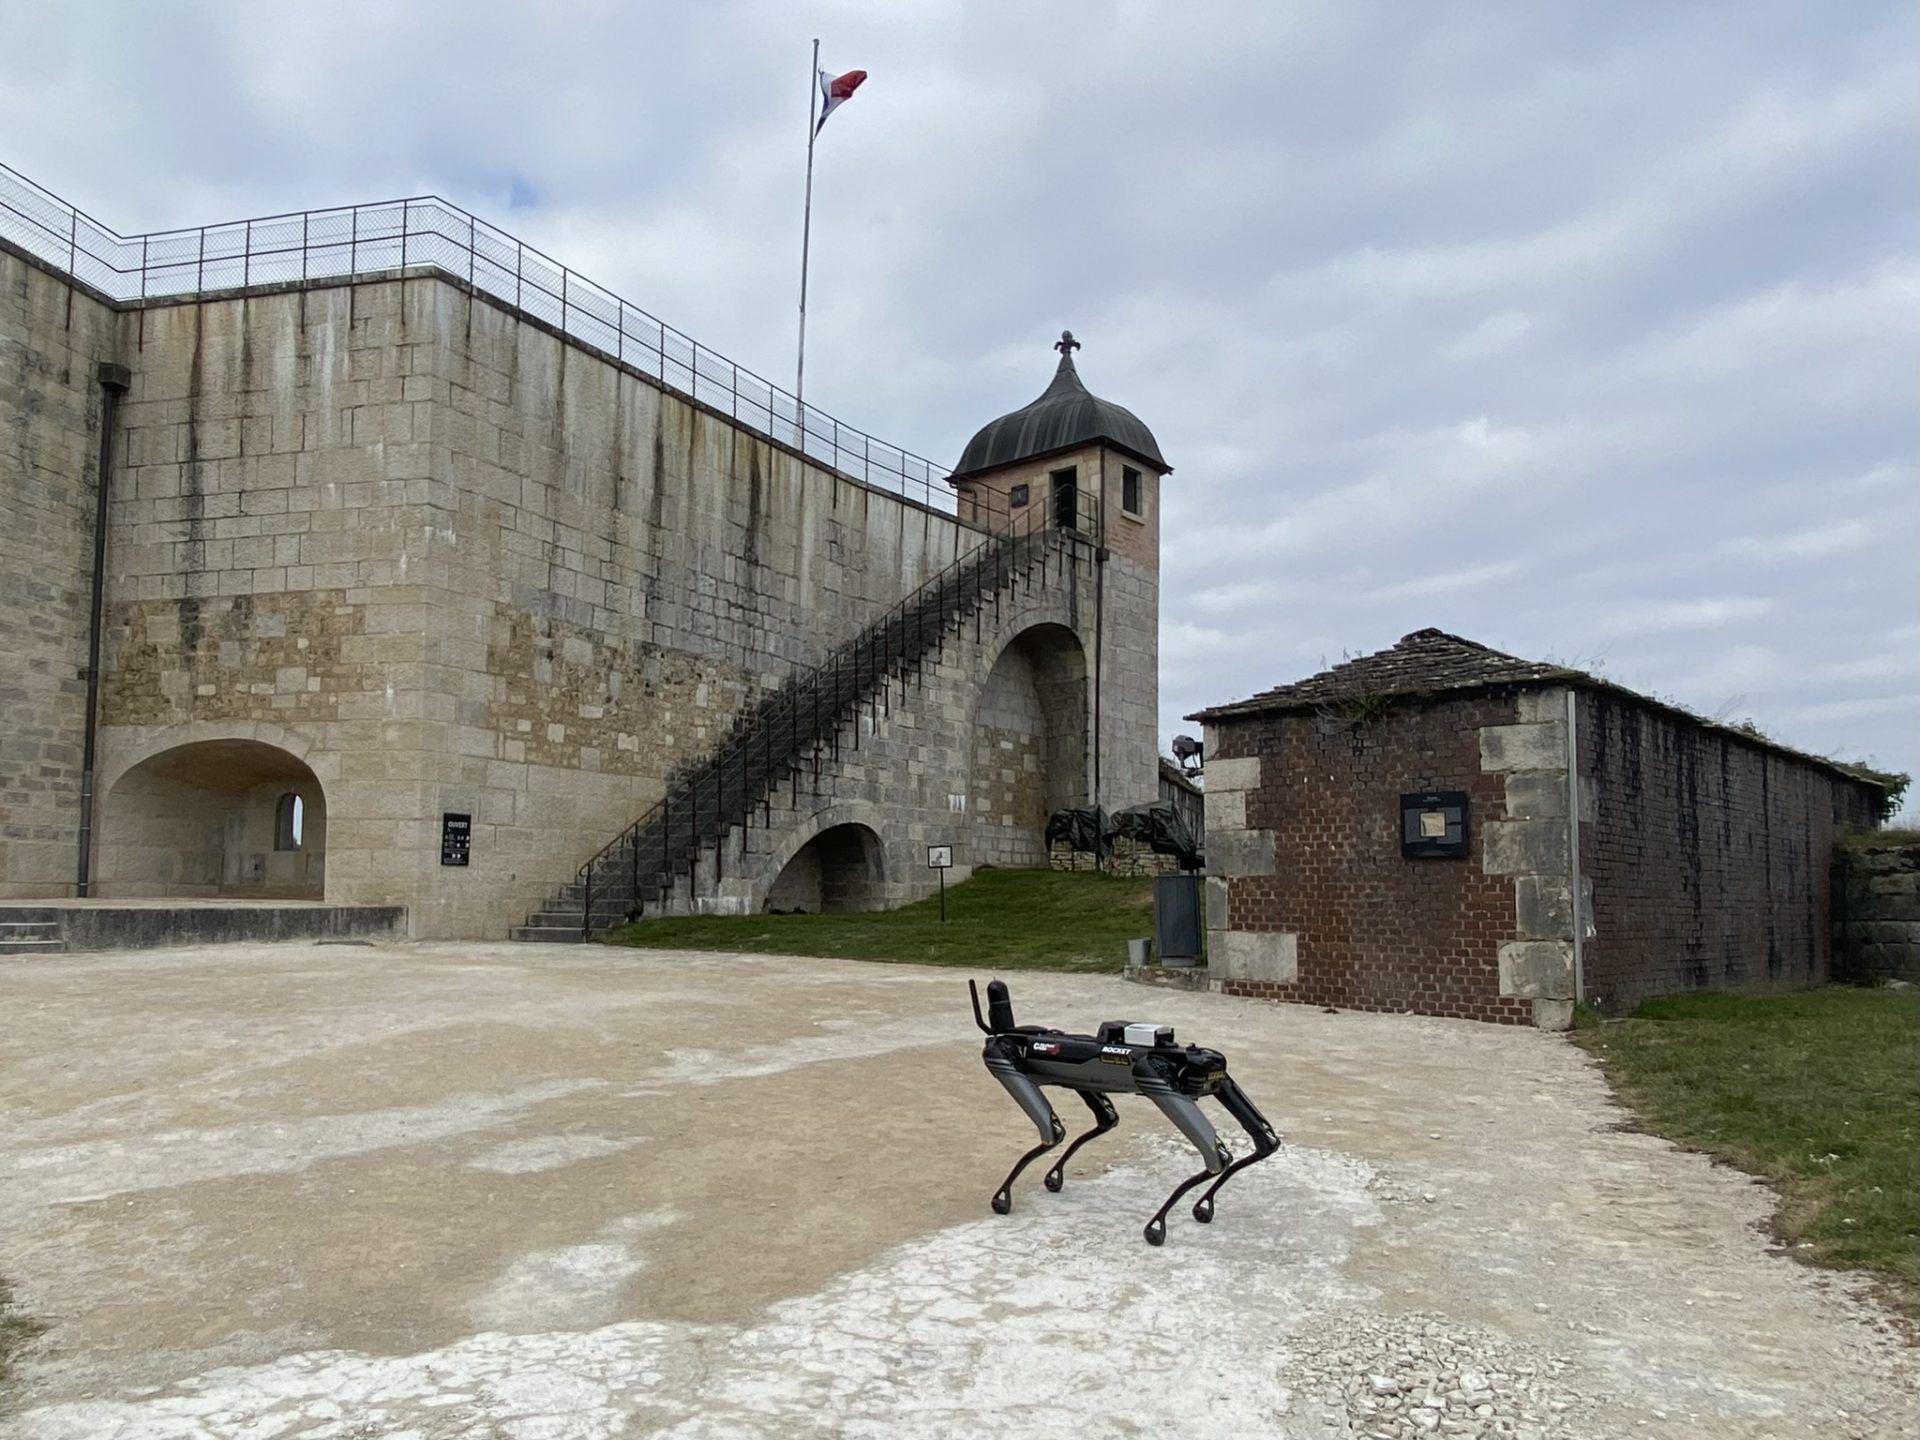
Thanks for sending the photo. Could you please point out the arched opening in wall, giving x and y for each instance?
(841, 869)
(1029, 745)
(215, 818)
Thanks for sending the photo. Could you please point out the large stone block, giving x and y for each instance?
(1537, 969)
(1543, 906)
(1216, 903)
(1540, 746)
(1524, 847)
(1224, 775)
(1536, 794)
(1540, 705)
(1226, 811)
(1554, 1015)
(1240, 852)
(1271, 956)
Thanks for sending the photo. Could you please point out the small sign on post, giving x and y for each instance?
(940, 858)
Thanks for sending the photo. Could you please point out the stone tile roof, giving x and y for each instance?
(1427, 662)
(1432, 663)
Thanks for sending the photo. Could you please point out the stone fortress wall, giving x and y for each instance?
(408, 552)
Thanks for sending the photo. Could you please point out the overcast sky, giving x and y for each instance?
(1590, 332)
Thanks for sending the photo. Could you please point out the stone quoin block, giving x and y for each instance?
(1540, 705)
(1226, 811)
(1225, 775)
(1537, 969)
(1240, 853)
(1543, 906)
(1272, 957)
(1541, 746)
(1536, 794)
(1216, 903)
(1524, 847)
(1553, 1015)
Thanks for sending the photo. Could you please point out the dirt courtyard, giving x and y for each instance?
(541, 1192)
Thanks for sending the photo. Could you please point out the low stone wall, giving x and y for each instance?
(1876, 912)
(1125, 857)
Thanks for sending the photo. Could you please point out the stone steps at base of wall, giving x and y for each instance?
(548, 934)
(34, 931)
(50, 945)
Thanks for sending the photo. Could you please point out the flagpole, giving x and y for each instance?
(806, 241)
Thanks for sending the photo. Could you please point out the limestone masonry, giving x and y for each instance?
(398, 574)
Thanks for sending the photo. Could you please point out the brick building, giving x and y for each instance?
(1405, 832)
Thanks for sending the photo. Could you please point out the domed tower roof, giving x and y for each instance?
(1068, 415)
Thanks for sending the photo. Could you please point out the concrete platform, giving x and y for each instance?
(56, 926)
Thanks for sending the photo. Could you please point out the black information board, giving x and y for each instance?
(456, 838)
(1434, 823)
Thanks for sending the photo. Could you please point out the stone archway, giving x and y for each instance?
(1029, 744)
(229, 817)
(841, 869)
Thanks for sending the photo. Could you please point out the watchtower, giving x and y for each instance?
(1073, 461)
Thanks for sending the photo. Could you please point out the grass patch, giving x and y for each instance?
(16, 1332)
(1819, 1092)
(1005, 919)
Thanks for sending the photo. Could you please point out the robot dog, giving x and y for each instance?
(1123, 1059)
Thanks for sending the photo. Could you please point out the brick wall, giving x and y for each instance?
(1374, 930)
(1709, 856)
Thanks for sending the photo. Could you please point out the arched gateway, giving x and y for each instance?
(215, 818)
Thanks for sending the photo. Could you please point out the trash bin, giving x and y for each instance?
(1139, 952)
(1176, 919)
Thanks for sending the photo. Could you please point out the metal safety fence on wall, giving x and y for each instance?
(395, 235)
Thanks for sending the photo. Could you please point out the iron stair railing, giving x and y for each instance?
(773, 740)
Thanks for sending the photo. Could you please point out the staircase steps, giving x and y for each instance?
(774, 739)
(30, 930)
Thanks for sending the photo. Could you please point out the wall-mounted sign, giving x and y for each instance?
(456, 838)
(1433, 823)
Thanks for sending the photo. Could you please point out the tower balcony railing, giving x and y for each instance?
(397, 236)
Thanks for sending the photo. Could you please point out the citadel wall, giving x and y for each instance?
(454, 563)
(51, 340)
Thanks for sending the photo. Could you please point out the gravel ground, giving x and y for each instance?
(481, 1191)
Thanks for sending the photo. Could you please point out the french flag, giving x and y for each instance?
(835, 91)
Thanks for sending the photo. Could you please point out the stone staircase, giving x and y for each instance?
(658, 859)
(30, 930)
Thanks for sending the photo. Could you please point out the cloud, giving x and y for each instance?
(1574, 331)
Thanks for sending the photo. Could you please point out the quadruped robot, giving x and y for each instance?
(1124, 1058)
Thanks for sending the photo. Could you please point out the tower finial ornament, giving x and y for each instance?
(1066, 344)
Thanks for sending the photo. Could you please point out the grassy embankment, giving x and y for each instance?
(1005, 919)
(1817, 1092)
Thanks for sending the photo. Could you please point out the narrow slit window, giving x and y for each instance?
(289, 822)
(1130, 490)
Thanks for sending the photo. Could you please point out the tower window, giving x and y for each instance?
(1017, 496)
(289, 822)
(1130, 490)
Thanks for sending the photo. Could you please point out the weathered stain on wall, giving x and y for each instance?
(1709, 856)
